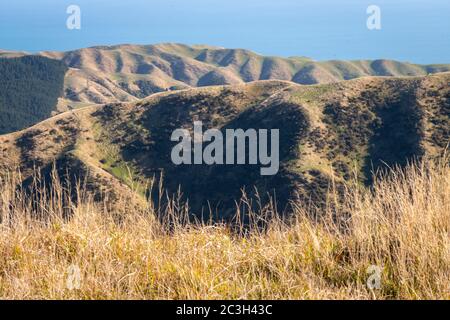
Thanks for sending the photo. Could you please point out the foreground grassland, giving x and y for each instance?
(402, 226)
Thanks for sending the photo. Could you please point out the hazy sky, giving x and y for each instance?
(412, 30)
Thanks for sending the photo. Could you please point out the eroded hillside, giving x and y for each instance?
(125, 73)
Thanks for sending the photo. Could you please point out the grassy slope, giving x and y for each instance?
(124, 253)
(328, 133)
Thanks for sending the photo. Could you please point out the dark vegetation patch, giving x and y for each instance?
(380, 128)
(29, 89)
(436, 100)
(66, 183)
(30, 142)
(27, 144)
(145, 88)
(221, 186)
(351, 127)
(397, 136)
(59, 180)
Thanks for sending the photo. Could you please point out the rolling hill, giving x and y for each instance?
(328, 132)
(128, 73)
(125, 73)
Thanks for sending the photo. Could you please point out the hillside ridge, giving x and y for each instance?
(328, 133)
(121, 73)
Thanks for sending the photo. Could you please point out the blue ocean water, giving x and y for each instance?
(412, 30)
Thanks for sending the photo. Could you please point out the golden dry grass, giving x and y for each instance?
(402, 227)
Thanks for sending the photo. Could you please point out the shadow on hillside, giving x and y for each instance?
(396, 137)
(216, 189)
